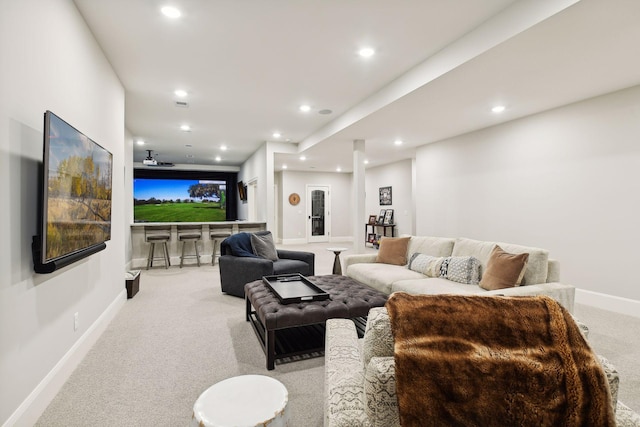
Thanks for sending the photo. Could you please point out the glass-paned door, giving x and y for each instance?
(318, 229)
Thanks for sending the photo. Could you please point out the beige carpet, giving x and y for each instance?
(180, 335)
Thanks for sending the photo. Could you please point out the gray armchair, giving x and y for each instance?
(236, 271)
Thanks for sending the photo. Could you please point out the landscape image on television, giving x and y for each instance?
(179, 200)
(78, 189)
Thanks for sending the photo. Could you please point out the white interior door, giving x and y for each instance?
(318, 213)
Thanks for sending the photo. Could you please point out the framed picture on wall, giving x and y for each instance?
(381, 216)
(388, 217)
(385, 196)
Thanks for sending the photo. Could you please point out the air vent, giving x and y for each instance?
(182, 104)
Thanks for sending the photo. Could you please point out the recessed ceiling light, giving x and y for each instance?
(366, 162)
(218, 158)
(284, 166)
(366, 52)
(185, 128)
(223, 147)
(276, 135)
(171, 12)
(305, 108)
(303, 158)
(140, 142)
(338, 169)
(181, 93)
(398, 142)
(498, 108)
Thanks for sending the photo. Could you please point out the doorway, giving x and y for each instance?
(318, 213)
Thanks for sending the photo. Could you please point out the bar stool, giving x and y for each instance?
(157, 234)
(217, 236)
(189, 233)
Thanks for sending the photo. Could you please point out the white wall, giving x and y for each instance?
(294, 218)
(255, 168)
(398, 176)
(567, 180)
(51, 61)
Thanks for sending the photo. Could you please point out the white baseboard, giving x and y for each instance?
(34, 405)
(613, 303)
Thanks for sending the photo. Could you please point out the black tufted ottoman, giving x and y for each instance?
(286, 330)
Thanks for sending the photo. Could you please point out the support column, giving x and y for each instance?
(359, 217)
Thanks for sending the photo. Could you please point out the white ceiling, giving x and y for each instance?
(439, 68)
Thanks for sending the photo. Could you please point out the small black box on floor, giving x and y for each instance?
(132, 282)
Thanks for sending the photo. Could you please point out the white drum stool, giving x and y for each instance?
(243, 401)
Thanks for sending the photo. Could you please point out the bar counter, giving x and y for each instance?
(140, 248)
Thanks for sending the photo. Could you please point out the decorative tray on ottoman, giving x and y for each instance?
(295, 287)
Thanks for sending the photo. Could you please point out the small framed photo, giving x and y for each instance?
(385, 196)
(372, 219)
(388, 217)
(371, 238)
(381, 216)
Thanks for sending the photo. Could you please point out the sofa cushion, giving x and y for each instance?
(537, 266)
(461, 269)
(393, 250)
(434, 286)
(288, 266)
(504, 270)
(380, 276)
(425, 264)
(434, 246)
(378, 338)
(263, 246)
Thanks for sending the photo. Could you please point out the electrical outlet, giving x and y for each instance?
(75, 321)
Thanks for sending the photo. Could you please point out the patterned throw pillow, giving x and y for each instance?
(425, 264)
(461, 269)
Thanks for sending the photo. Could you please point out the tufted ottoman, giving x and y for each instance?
(286, 330)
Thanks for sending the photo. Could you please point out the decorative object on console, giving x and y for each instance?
(385, 196)
(388, 217)
(372, 219)
(381, 216)
(504, 270)
(393, 250)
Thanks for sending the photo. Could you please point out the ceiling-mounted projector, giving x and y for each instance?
(150, 161)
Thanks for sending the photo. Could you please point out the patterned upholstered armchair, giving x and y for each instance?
(360, 387)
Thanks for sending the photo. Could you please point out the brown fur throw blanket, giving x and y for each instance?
(494, 361)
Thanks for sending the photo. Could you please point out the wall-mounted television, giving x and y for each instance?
(182, 196)
(75, 197)
(242, 191)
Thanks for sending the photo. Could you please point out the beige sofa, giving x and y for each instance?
(541, 276)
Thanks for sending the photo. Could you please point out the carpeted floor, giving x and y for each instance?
(180, 334)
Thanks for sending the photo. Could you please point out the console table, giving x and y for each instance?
(384, 227)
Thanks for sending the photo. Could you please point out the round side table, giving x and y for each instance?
(243, 401)
(337, 267)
